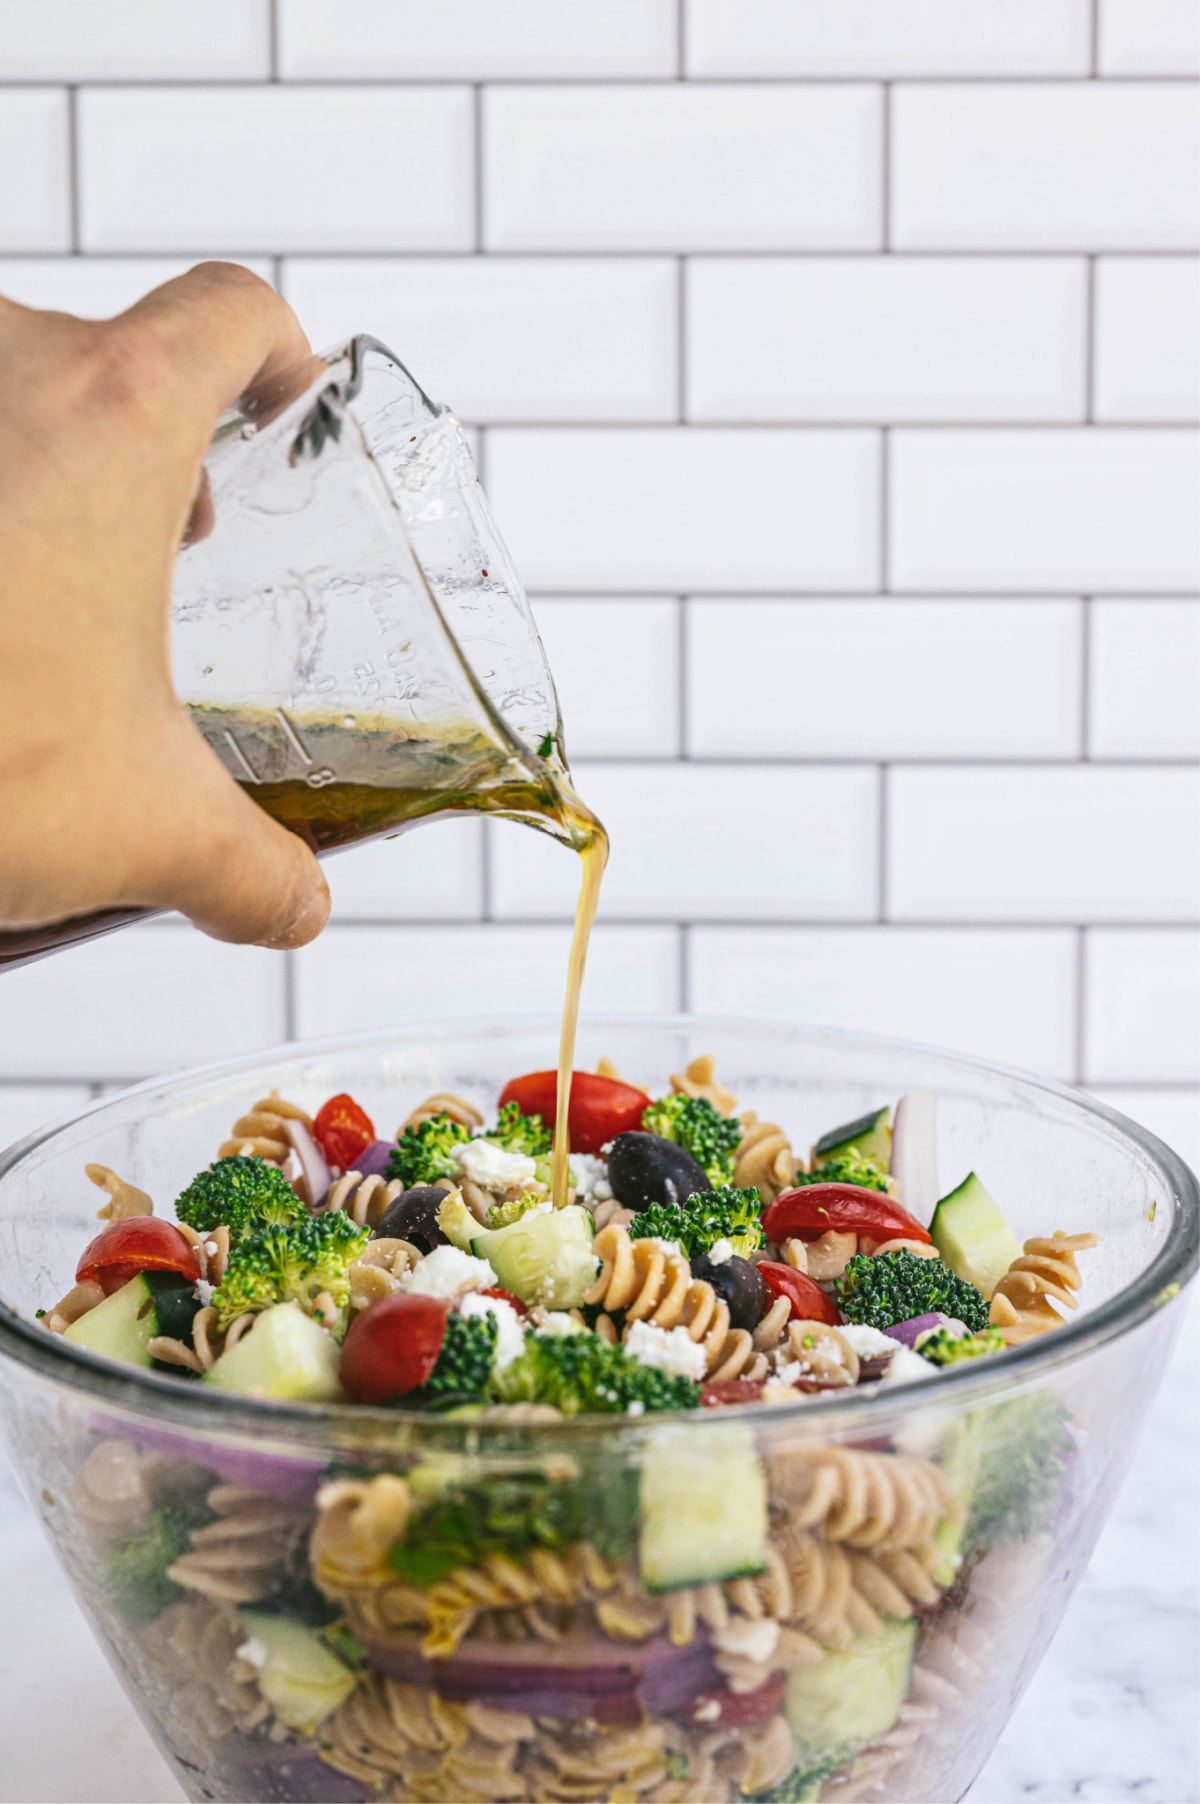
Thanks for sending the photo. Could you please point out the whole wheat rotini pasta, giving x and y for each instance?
(364, 1199)
(241, 1556)
(699, 1079)
(864, 1499)
(652, 1283)
(124, 1199)
(1045, 1273)
(764, 1158)
(443, 1102)
(262, 1131)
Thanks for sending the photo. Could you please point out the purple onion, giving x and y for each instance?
(279, 1771)
(291, 1480)
(907, 1332)
(314, 1168)
(372, 1162)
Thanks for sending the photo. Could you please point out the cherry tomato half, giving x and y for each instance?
(140, 1243)
(735, 1708)
(601, 1107)
(814, 1209)
(393, 1346)
(809, 1302)
(342, 1130)
(506, 1296)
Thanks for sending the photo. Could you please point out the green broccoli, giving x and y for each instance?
(708, 1216)
(802, 1785)
(944, 1348)
(1011, 1458)
(580, 1374)
(464, 1364)
(895, 1287)
(137, 1575)
(693, 1123)
(243, 1194)
(425, 1153)
(850, 1167)
(502, 1215)
(291, 1265)
(518, 1133)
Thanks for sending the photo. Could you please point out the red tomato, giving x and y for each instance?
(601, 1108)
(737, 1708)
(506, 1296)
(140, 1243)
(342, 1130)
(717, 1393)
(809, 1302)
(393, 1346)
(814, 1209)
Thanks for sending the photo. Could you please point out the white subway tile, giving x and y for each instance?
(510, 338)
(138, 1002)
(1142, 1008)
(884, 679)
(1172, 1114)
(1069, 844)
(1013, 510)
(616, 669)
(35, 211)
(134, 40)
(682, 168)
(887, 37)
(862, 338)
(356, 978)
(1145, 679)
(1149, 37)
(96, 287)
(706, 509)
(432, 872)
(1147, 338)
(702, 841)
(1045, 167)
(276, 168)
(476, 40)
(24, 1107)
(1005, 995)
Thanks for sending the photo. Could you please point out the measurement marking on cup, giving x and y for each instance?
(292, 735)
(240, 755)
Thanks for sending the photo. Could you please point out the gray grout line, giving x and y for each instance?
(277, 273)
(1094, 45)
(865, 923)
(289, 996)
(682, 676)
(885, 508)
(1034, 598)
(1080, 1003)
(681, 40)
(1089, 344)
(1085, 681)
(477, 153)
(885, 179)
(273, 36)
(73, 169)
(870, 761)
(911, 79)
(684, 974)
(681, 335)
(881, 851)
(586, 253)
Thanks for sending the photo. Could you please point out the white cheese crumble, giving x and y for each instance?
(752, 1640)
(510, 1331)
(906, 1364)
(656, 1240)
(447, 1272)
(868, 1343)
(491, 1167)
(670, 1349)
(254, 1653)
(591, 1177)
(636, 1408)
(720, 1251)
(204, 1290)
(558, 1324)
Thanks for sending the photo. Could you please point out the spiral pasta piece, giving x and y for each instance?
(1044, 1274)
(364, 1200)
(699, 1079)
(653, 1283)
(124, 1198)
(242, 1555)
(443, 1102)
(434, 1749)
(261, 1131)
(764, 1158)
(867, 1500)
(815, 1353)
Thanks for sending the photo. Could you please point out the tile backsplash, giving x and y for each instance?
(834, 368)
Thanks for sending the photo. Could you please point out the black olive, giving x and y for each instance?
(740, 1283)
(413, 1216)
(648, 1172)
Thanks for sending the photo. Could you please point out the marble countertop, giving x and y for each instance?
(1111, 1715)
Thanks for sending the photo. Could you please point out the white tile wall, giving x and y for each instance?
(832, 368)
(1172, 1114)
(24, 1107)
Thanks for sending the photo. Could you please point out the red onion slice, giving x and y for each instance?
(914, 1163)
(315, 1177)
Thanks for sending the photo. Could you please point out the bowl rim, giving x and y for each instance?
(312, 1425)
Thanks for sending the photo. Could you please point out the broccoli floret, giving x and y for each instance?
(425, 1153)
(291, 1265)
(243, 1194)
(802, 1785)
(847, 1168)
(464, 1364)
(894, 1287)
(1019, 1452)
(581, 1374)
(518, 1133)
(693, 1123)
(708, 1216)
(137, 1576)
(502, 1215)
(945, 1348)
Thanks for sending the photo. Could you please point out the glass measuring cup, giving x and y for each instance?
(347, 629)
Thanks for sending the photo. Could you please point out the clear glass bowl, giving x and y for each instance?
(912, 1588)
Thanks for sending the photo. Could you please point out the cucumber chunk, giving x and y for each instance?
(457, 1223)
(301, 1679)
(850, 1698)
(870, 1135)
(121, 1327)
(545, 1259)
(703, 1507)
(973, 1237)
(286, 1355)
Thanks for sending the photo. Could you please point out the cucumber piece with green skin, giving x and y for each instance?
(870, 1135)
(972, 1236)
(703, 1508)
(285, 1355)
(457, 1223)
(121, 1327)
(850, 1698)
(301, 1679)
(543, 1258)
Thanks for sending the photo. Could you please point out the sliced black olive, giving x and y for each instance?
(647, 1172)
(413, 1216)
(740, 1283)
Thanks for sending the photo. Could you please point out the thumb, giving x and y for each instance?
(214, 855)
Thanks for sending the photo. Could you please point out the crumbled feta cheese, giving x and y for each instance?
(906, 1364)
(211, 1248)
(752, 1640)
(670, 1349)
(204, 1290)
(636, 1408)
(656, 1240)
(448, 1272)
(558, 1324)
(510, 1331)
(254, 1653)
(591, 1178)
(787, 1371)
(868, 1343)
(720, 1251)
(491, 1167)
(707, 1712)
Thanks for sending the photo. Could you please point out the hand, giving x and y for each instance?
(109, 797)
